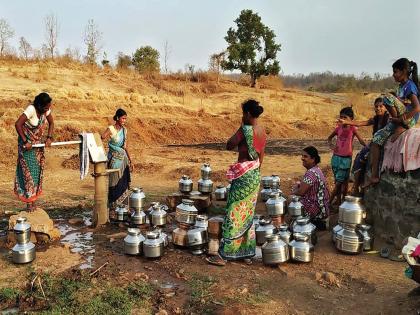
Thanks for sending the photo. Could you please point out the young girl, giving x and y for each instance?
(404, 108)
(343, 151)
(378, 122)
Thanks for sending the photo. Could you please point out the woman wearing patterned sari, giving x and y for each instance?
(238, 232)
(118, 158)
(30, 127)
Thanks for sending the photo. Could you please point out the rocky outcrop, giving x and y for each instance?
(393, 206)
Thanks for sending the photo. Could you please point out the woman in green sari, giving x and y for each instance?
(30, 127)
(238, 232)
(118, 158)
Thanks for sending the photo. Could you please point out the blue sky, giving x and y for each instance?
(337, 35)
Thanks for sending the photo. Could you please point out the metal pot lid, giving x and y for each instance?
(188, 202)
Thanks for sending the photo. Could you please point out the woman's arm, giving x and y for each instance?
(356, 123)
(18, 125)
(361, 141)
(105, 135)
(50, 120)
(416, 107)
(302, 189)
(234, 141)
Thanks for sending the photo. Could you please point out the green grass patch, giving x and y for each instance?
(8, 295)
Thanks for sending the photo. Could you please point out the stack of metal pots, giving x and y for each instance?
(24, 251)
(302, 225)
(276, 207)
(153, 245)
(270, 184)
(197, 235)
(214, 229)
(205, 184)
(185, 216)
(136, 203)
(350, 235)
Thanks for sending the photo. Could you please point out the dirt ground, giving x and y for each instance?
(174, 127)
(364, 284)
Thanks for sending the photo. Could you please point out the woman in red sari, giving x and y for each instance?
(238, 232)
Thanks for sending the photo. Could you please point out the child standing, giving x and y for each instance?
(404, 109)
(377, 122)
(342, 155)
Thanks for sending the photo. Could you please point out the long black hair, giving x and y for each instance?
(119, 113)
(253, 107)
(41, 101)
(403, 64)
(313, 153)
(348, 111)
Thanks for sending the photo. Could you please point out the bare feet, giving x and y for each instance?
(371, 182)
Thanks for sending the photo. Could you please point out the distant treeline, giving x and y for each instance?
(333, 82)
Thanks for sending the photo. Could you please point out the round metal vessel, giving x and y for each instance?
(264, 229)
(136, 199)
(276, 204)
(275, 181)
(23, 253)
(121, 213)
(205, 171)
(367, 236)
(265, 194)
(266, 181)
(301, 249)
(205, 186)
(295, 207)
(133, 242)
(197, 240)
(348, 240)
(179, 237)
(351, 211)
(158, 216)
(138, 217)
(153, 245)
(284, 233)
(185, 184)
(274, 251)
(201, 221)
(186, 212)
(220, 193)
(22, 231)
(303, 225)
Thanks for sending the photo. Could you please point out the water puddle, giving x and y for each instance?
(79, 242)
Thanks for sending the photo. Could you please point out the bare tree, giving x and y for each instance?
(6, 32)
(215, 63)
(166, 53)
(25, 48)
(51, 33)
(92, 38)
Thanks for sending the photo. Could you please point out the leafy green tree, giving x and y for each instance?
(146, 60)
(251, 47)
(123, 61)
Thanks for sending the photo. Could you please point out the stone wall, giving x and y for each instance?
(393, 206)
